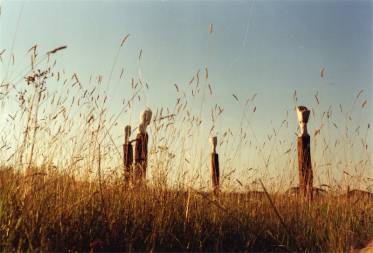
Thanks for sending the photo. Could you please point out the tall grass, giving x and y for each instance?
(60, 213)
(62, 187)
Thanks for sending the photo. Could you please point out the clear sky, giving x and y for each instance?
(267, 47)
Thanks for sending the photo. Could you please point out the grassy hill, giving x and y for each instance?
(55, 212)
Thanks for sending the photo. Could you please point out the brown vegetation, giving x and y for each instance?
(62, 186)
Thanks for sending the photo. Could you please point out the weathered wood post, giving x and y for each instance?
(215, 173)
(141, 146)
(304, 154)
(127, 155)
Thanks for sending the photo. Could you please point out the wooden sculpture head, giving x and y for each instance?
(145, 118)
(214, 142)
(303, 115)
(127, 133)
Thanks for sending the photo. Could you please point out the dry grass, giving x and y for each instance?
(62, 189)
(58, 213)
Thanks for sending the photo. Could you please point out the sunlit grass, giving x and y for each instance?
(56, 212)
(61, 174)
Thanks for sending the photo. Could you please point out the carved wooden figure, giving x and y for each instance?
(304, 154)
(141, 147)
(127, 154)
(215, 173)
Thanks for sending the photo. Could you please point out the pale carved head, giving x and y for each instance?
(303, 115)
(145, 118)
(214, 142)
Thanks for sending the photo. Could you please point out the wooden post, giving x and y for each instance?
(215, 174)
(141, 148)
(304, 154)
(127, 154)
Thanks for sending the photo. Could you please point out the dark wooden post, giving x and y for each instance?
(304, 154)
(127, 155)
(215, 173)
(141, 148)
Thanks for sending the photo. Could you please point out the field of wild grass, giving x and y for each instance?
(56, 212)
(61, 170)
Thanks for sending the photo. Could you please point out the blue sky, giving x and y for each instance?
(267, 47)
(258, 46)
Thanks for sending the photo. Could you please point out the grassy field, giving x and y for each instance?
(61, 173)
(55, 212)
